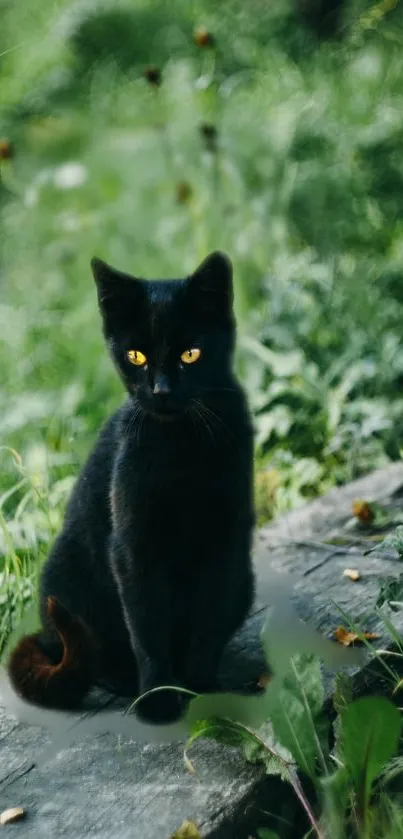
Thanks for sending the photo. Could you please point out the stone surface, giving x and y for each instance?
(103, 786)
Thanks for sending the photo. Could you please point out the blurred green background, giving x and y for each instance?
(130, 132)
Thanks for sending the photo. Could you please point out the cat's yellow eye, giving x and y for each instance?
(136, 357)
(190, 356)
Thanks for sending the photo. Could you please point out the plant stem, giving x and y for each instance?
(296, 785)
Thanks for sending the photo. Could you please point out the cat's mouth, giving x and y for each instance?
(162, 410)
(163, 413)
(164, 416)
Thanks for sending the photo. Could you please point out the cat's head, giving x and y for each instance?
(172, 341)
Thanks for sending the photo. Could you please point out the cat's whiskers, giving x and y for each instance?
(201, 421)
(214, 417)
(129, 424)
(198, 409)
(192, 414)
(215, 420)
(136, 422)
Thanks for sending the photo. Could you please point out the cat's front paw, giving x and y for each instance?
(161, 707)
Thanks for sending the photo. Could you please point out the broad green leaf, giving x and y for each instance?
(392, 544)
(297, 718)
(370, 730)
(263, 749)
(342, 696)
(249, 711)
(343, 692)
(282, 364)
(223, 731)
(254, 752)
(390, 592)
(335, 795)
(231, 733)
(275, 765)
(265, 833)
(279, 420)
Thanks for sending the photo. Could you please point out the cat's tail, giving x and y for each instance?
(40, 681)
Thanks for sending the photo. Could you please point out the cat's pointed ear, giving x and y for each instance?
(114, 287)
(212, 286)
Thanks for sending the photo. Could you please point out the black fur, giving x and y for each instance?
(154, 555)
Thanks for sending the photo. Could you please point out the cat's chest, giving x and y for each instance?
(175, 456)
(171, 470)
(173, 485)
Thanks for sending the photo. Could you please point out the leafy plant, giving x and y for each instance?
(391, 592)
(297, 716)
(369, 737)
(391, 545)
(367, 733)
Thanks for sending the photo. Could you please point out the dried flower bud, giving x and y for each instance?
(6, 150)
(202, 37)
(153, 75)
(363, 511)
(183, 192)
(209, 134)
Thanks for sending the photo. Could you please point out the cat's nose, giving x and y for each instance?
(161, 387)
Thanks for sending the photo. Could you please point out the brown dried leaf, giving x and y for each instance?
(14, 814)
(352, 574)
(187, 830)
(349, 639)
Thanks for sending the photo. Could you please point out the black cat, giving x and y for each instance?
(151, 574)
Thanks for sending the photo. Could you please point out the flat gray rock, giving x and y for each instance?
(105, 785)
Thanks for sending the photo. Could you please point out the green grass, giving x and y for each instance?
(304, 191)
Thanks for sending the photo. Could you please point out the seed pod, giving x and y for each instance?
(209, 134)
(153, 75)
(6, 150)
(202, 37)
(352, 574)
(14, 814)
(183, 192)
